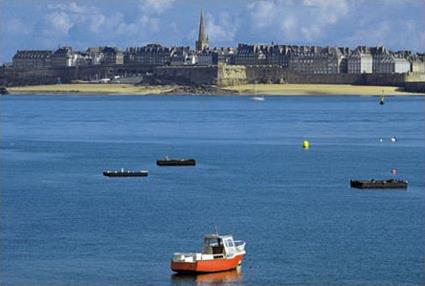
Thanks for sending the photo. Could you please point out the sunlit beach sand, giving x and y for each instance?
(246, 89)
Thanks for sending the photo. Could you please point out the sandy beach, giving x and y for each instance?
(246, 89)
(317, 89)
(114, 89)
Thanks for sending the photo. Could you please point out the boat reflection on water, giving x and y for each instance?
(232, 277)
(225, 276)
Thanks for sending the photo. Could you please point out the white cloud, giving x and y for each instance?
(155, 6)
(221, 29)
(60, 18)
(151, 23)
(297, 20)
(87, 20)
(150, 10)
(288, 27)
(345, 22)
(263, 12)
(58, 23)
(403, 34)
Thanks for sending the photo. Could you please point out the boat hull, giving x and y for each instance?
(379, 184)
(126, 174)
(207, 266)
(172, 162)
(3, 91)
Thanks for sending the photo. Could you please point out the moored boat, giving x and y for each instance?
(379, 184)
(381, 100)
(219, 253)
(176, 162)
(126, 173)
(258, 98)
(3, 90)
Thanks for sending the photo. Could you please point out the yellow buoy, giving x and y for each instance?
(306, 144)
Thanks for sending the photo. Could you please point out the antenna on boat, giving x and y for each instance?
(216, 231)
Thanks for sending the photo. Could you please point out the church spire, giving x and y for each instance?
(202, 42)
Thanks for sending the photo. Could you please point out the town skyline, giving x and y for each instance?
(173, 23)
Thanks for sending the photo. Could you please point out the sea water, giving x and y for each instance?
(63, 223)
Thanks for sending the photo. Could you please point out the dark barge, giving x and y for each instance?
(379, 184)
(176, 162)
(123, 173)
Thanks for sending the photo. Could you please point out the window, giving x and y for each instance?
(229, 243)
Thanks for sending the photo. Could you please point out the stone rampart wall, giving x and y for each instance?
(222, 75)
(14, 77)
(231, 75)
(271, 74)
(415, 86)
(415, 77)
(186, 75)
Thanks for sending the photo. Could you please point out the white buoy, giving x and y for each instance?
(381, 140)
(393, 139)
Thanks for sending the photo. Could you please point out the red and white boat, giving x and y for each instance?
(219, 253)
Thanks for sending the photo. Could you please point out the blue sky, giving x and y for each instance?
(46, 24)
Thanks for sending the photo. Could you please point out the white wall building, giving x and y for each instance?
(386, 63)
(359, 63)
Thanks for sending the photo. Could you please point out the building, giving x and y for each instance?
(151, 55)
(303, 59)
(95, 55)
(343, 60)
(401, 65)
(112, 56)
(182, 56)
(250, 55)
(205, 57)
(417, 63)
(382, 60)
(223, 55)
(360, 61)
(202, 42)
(385, 61)
(106, 56)
(390, 64)
(81, 59)
(30, 59)
(63, 57)
(277, 55)
(315, 60)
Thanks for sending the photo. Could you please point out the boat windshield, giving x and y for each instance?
(213, 246)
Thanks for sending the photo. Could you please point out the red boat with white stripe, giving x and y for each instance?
(219, 253)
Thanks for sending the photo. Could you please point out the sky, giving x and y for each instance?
(48, 24)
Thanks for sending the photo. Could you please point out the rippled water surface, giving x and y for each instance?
(63, 223)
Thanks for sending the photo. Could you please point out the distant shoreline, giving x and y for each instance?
(246, 89)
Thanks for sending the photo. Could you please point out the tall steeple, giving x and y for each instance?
(202, 42)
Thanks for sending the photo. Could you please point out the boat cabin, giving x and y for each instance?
(219, 253)
(219, 246)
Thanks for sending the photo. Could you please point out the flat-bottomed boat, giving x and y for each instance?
(379, 184)
(126, 173)
(176, 162)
